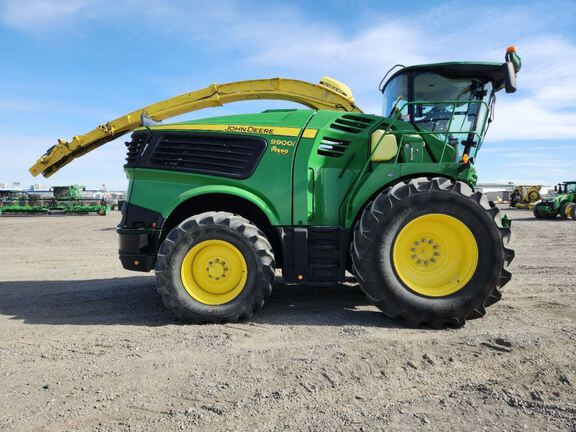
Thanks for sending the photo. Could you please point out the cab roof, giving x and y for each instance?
(488, 70)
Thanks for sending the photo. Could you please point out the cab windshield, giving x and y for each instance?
(454, 110)
(452, 106)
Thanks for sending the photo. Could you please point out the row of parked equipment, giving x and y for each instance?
(561, 202)
(59, 200)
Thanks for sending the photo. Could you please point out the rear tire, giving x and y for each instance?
(573, 211)
(215, 267)
(444, 207)
(564, 211)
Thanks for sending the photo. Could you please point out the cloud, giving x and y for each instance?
(530, 162)
(543, 108)
(528, 119)
(40, 14)
(19, 152)
(247, 40)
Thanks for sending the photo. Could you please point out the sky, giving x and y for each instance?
(70, 65)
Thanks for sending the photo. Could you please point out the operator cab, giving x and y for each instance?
(565, 187)
(451, 102)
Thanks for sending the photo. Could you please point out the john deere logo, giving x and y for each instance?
(250, 129)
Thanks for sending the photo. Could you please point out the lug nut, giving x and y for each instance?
(436, 253)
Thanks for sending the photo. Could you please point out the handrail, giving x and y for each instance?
(352, 191)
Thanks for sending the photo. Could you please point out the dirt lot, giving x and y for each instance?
(86, 345)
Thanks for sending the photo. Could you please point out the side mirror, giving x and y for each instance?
(510, 68)
(509, 77)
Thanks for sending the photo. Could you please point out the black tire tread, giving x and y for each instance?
(229, 221)
(563, 214)
(536, 211)
(377, 211)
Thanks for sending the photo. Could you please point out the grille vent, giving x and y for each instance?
(227, 156)
(135, 147)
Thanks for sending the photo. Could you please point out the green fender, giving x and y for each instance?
(259, 202)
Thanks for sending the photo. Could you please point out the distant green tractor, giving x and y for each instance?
(561, 203)
(216, 205)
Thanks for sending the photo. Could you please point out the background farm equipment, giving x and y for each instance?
(69, 200)
(525, 196)
(61, 200)
(560, 203)
(20, 202)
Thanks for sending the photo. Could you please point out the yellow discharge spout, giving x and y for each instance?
(329, 94)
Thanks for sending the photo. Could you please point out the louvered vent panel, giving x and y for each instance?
(331, 147)
(135, 147)
(226, 156)
(351, 123)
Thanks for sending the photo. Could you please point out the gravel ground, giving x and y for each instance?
(88, 346)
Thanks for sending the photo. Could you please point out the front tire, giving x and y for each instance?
(431, 252)
(215, 267)
(537, 213)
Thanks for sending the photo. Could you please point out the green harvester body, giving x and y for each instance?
(296, 181)
(313, 170)
(217, 205)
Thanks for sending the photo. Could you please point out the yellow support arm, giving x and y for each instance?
(329, 94)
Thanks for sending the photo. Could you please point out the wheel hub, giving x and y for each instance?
(214, 272)
(426, 251)
(217, 269)
(435, 255)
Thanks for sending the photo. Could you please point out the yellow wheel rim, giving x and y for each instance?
(435, 255)
(214, 272)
